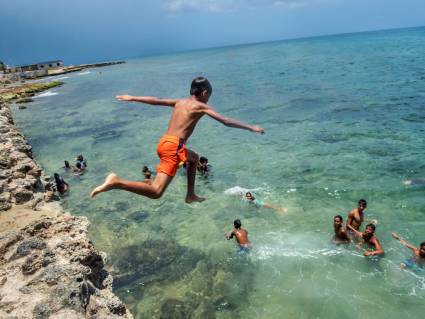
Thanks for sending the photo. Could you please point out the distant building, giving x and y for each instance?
(41, 66)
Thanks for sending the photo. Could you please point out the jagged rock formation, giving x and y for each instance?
(48, 266)
(49, 269)
(19, 174)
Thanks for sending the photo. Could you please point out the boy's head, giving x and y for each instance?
(67, 164)
(362, 204)
(249, 196)
(422, 249)
(369, 231)
(78, 165)
(338, 220)
(237, 223)
(201, 88)
(203, 160)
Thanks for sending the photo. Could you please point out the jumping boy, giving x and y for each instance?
(171, 148)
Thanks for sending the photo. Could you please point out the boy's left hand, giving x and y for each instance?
(124, 97)
(258, 129)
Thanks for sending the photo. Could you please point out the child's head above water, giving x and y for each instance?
(201, 88)
(237, 223)
(249, 196)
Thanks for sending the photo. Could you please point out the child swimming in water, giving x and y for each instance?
(203, 166)
(416, 263)
(241, 236)
(148, 175)
(171, 148)
(261, 204)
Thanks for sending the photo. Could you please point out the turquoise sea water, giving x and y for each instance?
(344, 119)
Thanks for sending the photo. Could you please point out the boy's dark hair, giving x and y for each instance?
(203, 160)
(199, 85)
(371, 226)
(422, 244)
(145, 169)
(237, 223)
(78, 165)
(363, 202)
(338, 216)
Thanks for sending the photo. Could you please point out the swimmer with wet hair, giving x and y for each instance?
(171, 148)
(261, 204)
(67, 167)
(203, 166)
(368, 237)
(419, 254)
(61, 186)
(240, 234)
(79, 169)
(340, 236)
(148, 174)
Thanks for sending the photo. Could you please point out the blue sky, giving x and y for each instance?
(80, 31)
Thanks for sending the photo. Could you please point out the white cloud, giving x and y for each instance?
(231, 5)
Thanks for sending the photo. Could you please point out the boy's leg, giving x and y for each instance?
(154, 190)
(191, 162)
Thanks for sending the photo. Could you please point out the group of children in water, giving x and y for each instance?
(351, 233)
(345, 235)
(59, 184)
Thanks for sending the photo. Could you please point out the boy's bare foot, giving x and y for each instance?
(109, 183)
(194, 198)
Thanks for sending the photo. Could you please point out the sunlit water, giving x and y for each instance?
(344, 119)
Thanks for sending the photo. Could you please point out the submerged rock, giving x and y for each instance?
(138, 216)
(206, 283)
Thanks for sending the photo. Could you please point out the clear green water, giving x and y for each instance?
(344, 119)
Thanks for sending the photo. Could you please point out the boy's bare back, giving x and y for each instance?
(186, 114)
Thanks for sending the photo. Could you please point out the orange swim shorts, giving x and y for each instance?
(171, 151)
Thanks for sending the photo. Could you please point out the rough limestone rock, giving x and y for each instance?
(19, 173)
(50, 267)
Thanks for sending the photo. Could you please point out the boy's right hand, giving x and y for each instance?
(257, 129)
(124, 97)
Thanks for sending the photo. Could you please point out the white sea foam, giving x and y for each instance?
(62, 78)
(84, 73)
(237, 190)
(266, 252)
(46, 94)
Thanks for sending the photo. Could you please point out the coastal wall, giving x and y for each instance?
(48, 266)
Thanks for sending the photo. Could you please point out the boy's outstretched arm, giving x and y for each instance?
(231, 122)
(147, 100)
(403, 242)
